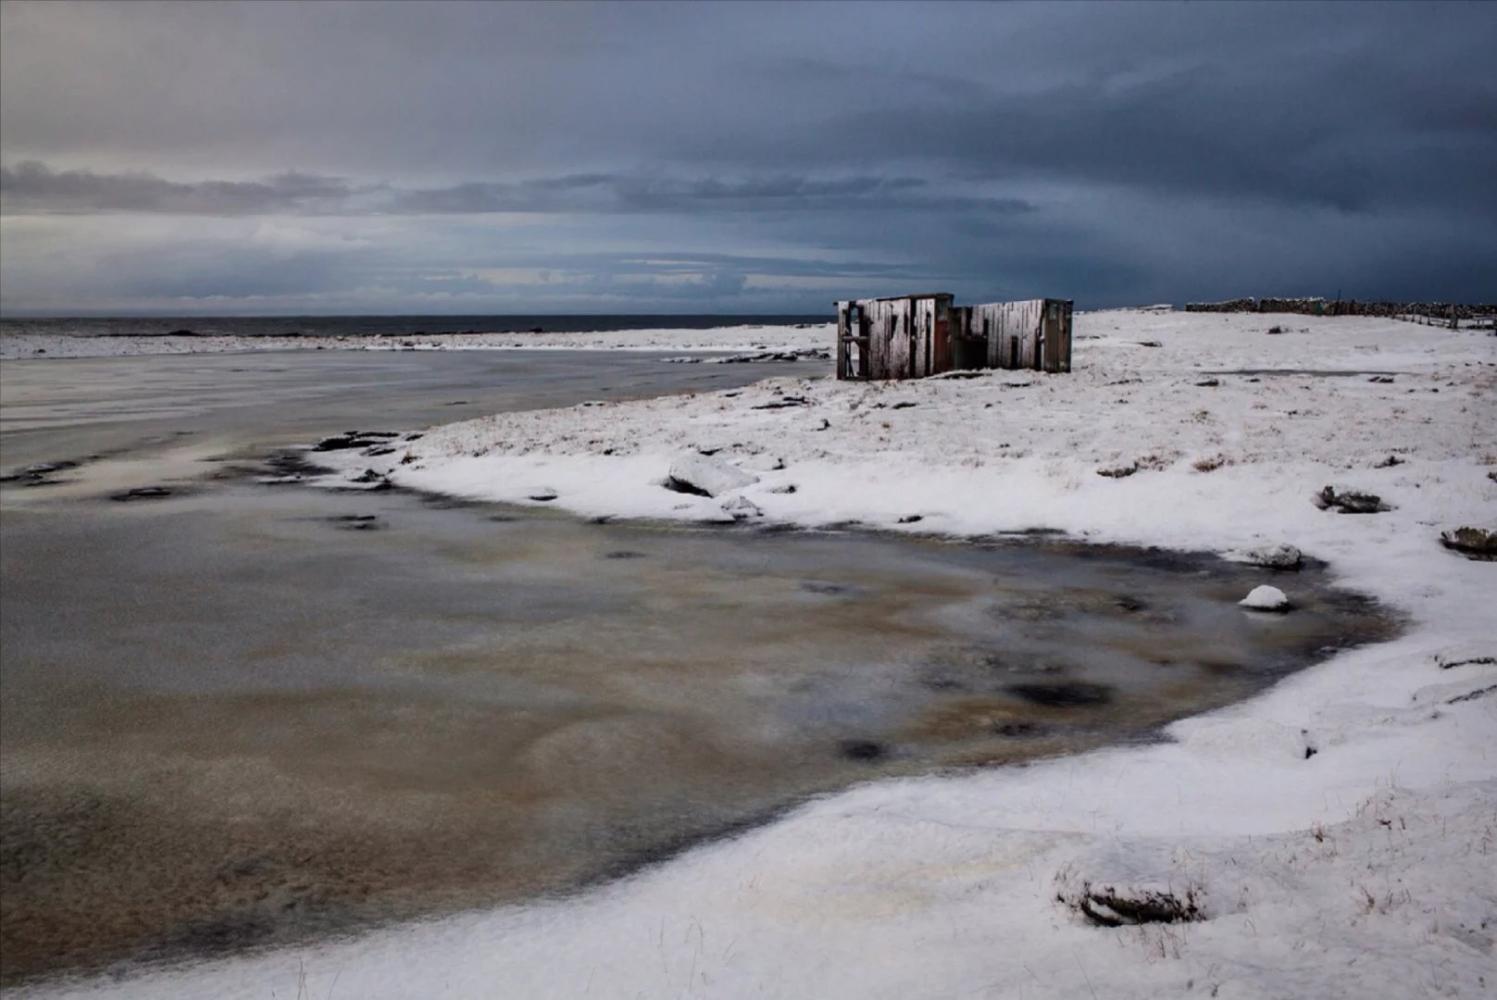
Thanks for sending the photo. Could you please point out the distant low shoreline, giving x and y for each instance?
(148, 327)
(40, 344)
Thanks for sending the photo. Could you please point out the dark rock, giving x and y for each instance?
(1119, 472)
(1109, 906)
(820, 587)
(142, 493)
(344, 442)
(356, 522)
(1020, 730)
(1388, 462)
(682, 486)
(39, 474)
(903, 405)
(868, 750)
(1209, 383)
(291, 463)
(782, 403)
(1464, 657)
(1349, 501)
(1473, 543)
(1063, 694)
(1472, 695)
(43, 468)
(1149, 343)
(623, 554)
(367, 476)
(1130, 604)
(1382, 379)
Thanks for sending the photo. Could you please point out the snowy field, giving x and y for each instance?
(727, 338)
(1335, 837)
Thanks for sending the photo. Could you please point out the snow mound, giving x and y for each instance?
(1266, 598)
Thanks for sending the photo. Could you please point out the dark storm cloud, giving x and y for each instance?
(746, 153)
(34, 187)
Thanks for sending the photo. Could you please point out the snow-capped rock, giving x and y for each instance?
(741, 508)
(1276, 557)
(704, 476)
(1265, 598)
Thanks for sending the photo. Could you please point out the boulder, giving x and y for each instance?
(142, 493)
(741, 508)
(1473, 543)
(1265, 598)
(704, 476)
(1347, 501)
(1284, 557)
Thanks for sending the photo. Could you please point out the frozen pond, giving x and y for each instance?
(243, 714)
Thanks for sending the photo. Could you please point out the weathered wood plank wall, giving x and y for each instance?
(1011, 330)
(919, 335)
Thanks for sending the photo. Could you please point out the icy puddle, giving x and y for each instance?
(240, 715)
(251, 714)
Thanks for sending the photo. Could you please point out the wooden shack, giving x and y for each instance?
(912, 336)
(908, 336)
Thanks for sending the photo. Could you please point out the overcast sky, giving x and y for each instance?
(314, 158)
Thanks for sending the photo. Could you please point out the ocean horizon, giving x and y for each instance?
(385, 325)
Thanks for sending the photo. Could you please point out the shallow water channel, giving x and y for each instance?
(243, 714)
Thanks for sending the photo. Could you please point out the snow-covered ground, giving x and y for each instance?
(1338, 834)
(726, 338)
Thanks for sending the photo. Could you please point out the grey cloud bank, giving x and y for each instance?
(487, 157)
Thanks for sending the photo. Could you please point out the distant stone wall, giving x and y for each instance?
(1347, 307)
